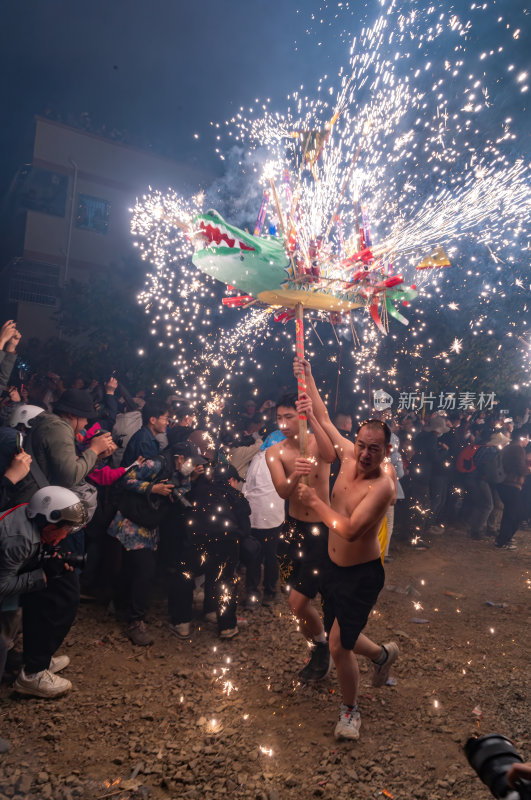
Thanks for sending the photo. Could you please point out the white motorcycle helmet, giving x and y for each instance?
(24, 414)
(58, 504)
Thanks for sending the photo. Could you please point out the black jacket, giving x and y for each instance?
(430, 459)
(218, 511)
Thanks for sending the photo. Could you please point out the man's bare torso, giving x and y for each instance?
(288, 451)
(348, 492)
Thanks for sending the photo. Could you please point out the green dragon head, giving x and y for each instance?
(252, 264)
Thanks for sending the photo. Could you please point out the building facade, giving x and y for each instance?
(69, 215)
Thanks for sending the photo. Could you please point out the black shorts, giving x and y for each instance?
(349, 594)
(307, 553)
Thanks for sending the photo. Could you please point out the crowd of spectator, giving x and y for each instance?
(102, 490)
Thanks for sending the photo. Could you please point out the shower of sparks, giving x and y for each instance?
(407, 139)
(456, 346)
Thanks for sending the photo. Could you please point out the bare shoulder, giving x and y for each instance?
(273, 452)
(345, 448)
(385, 484)
(281, 453)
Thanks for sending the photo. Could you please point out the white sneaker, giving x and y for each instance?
(182, 630)
(349, 723)
(380, 672)
(57, 663)
(41, 684)
(229, 633)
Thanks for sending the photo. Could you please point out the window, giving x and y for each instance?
(34, 282)
(92, 213)
(42, 190)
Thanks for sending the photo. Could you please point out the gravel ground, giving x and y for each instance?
(216, 719)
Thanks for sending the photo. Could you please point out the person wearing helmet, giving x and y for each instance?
(52, 444)
(14, 461)
(47, 586)
(22, 416)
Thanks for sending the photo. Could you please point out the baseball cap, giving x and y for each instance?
(188, 450)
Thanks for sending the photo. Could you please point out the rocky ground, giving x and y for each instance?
(216, 719)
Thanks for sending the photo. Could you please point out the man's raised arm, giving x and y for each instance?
(327, 451)
(319, 408)
(285, 484)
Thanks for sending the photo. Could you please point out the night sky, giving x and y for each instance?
(160, 70)
(163, 70)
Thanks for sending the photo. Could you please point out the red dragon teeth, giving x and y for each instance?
(215, 235)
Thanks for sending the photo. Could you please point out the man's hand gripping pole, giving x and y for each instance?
(301, 383)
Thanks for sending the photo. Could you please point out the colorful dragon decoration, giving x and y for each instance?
(263, 270)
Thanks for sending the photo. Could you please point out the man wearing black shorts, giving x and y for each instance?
(306, 535)
(308, 553)
(354, 575)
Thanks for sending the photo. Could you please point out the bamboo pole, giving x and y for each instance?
(301, 383)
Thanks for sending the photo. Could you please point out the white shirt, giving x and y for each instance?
(267, 508)
(396, 461)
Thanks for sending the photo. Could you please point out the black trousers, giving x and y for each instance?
(481, 506)
(93, 576)
(47, 617)
(513, 512)
(263, 552)
(131, 574)
(217, 561)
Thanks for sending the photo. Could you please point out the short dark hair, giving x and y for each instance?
(224, 472)
(342, 413)
(287, 400)
(484, 434)
(155, 408)
(181, 411)
(519, 433)
(377, 423)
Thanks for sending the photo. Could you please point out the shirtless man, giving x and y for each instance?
(306, 534)
(354, 576)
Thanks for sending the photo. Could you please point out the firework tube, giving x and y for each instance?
(277, 204)
(339, 227)
(287, 187)
(281, 222)
(301, 383)
(366, 226)
(261, 214)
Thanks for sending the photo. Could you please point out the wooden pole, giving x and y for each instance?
(301, 383)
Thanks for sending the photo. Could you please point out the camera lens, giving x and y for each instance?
(490, 757)
(75, 560)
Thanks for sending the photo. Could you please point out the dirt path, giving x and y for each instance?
(211, 719)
